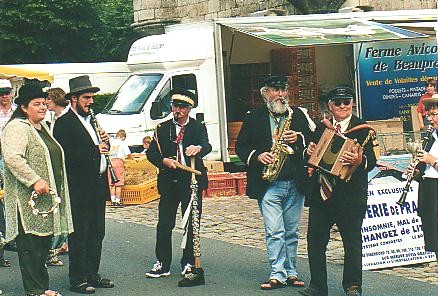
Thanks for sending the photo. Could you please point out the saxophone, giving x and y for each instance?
(280, 150)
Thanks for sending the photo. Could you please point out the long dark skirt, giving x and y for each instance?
(428, 211)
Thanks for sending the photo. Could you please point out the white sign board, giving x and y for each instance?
(392, 234)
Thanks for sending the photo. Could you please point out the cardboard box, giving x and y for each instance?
(389, 133)
(214, 166)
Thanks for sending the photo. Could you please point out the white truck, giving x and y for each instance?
(108, 76)
(210, 58)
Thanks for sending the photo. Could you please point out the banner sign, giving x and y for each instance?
(392, 234)
(392, 76)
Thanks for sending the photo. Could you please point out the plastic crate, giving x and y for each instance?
(240, 183)
(219, 192)
(141, 193)
(220, 184)
(220, 180)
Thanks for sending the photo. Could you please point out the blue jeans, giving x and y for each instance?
(281, 209)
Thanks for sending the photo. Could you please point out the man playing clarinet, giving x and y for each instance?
(175, 142)
(88, 186)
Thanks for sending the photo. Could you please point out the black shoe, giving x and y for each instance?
(11, 246)
(157, 271)
(310, 291)
(194, 278)
(101, 283)
(83, 288)
(353, 291)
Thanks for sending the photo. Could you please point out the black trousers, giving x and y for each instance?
(85, 243)
(2, 226)
(349, 222)
(177, 194)
(32, 256)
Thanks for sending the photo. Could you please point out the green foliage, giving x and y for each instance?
(317, 6)
(100, 101)
(47, 31)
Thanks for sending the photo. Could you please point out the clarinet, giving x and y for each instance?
(426, 143)
(96, 125)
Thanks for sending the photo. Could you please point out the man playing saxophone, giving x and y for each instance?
(272, 132)
(428, 189)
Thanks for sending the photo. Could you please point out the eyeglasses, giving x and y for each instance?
(5, 93)
(338, 103)
(432, 114)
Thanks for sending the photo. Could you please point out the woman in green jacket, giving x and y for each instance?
(34, 162)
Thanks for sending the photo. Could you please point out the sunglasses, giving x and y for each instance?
(4, 93)
(338, 103)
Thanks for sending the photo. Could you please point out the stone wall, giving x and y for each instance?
(394, 4)
(151, 15)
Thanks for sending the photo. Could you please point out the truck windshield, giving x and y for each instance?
(133, 94)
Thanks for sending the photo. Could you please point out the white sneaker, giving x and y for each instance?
(157, 271)
(186, 269)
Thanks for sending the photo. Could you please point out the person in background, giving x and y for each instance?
(335, 201)
(428, 188)
(6, 110)
(177, 140)
(430, 87)
(281, 200)
(119, 150)
(146, 143)
(57, 103)
(34, 162)
(88, 184)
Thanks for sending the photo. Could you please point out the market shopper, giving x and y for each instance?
(176, 141)
(280, 201)
(430, 87)
(338, 202)
(428, 188)
(6, 110)
(34, 162)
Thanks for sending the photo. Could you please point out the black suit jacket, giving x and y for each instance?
(352, 194)
(162, 146)
(255, 137)
(82, 160)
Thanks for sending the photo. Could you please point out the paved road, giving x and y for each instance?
(231, 269)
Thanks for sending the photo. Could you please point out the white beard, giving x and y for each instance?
(277, 106)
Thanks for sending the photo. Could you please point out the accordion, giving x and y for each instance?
(328, 151)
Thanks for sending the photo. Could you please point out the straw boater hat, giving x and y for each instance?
(80, 85)
(183, 97)
(431, 101)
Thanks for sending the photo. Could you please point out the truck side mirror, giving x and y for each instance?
(156, 110)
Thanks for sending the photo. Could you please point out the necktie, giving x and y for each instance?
(177, 141)
(338, 128)
(326, 189)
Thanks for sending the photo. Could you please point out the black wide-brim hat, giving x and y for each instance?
(183, 97)
(340, 92)
(80, 85)
(28, 92)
